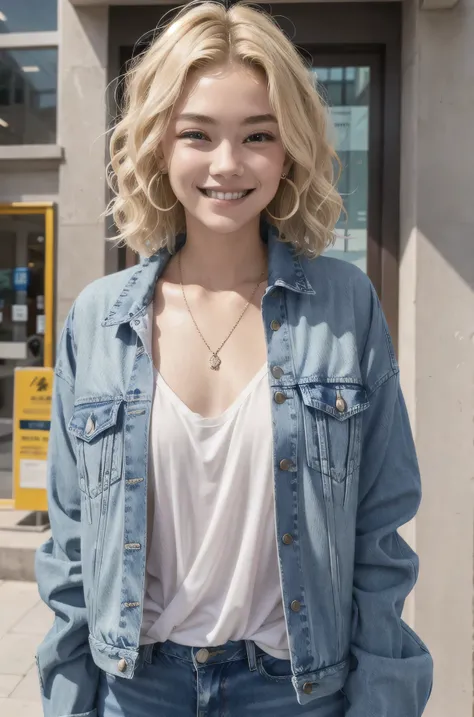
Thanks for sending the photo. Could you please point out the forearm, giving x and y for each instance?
(393, 668)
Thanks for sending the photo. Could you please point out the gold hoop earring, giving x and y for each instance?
(157, 177)
(296, 207)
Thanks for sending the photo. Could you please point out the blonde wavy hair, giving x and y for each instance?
(200, 36)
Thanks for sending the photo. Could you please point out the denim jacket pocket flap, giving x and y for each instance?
(341, 401)
(89, 420)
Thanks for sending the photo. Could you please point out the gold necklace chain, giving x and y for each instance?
(215, 360)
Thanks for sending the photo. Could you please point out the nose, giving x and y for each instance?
(226, 161)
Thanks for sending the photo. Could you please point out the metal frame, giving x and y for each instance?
(47, 210)
(30, 41)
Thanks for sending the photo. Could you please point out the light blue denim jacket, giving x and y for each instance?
(345, 473)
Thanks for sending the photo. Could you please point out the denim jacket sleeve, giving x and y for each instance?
(393, 668)
(68, 676)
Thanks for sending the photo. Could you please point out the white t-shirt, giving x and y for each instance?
(212, 568)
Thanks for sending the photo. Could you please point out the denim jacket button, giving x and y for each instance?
(275, 325)
(279, 397)
(307, 688)
(202, 656)
(296, 606)
(340, 404)
(277, 372)
(285, 464)
(122, 665)
(90, 426)
(287, 539)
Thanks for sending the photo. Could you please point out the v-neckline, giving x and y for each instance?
(221, 417)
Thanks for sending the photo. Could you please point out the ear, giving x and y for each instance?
(161, 163)
(287, 166)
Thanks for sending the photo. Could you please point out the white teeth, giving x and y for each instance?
(224, 195)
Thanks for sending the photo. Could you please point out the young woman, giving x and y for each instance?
(230, 454)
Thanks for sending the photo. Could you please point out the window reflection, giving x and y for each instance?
(22, 317)
(346, 91)
(28, 15)
(28, 96)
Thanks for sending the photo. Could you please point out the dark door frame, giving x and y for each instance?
(357, 33)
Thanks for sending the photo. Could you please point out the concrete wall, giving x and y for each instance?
(82, 133)
(437, 330)
(29, 181)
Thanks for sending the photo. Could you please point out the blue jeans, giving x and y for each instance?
(234, 680)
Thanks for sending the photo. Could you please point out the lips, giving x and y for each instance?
(227, 196)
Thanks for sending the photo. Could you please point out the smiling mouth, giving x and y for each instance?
(227, 196)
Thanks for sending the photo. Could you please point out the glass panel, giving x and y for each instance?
(348, 99)
(28, 94)
(28, 15)
(22, 256)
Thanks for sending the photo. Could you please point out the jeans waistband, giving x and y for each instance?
(199, 657)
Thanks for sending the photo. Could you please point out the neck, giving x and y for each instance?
(223, 261)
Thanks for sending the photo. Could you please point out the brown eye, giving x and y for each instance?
(194, 134)
(260, 137)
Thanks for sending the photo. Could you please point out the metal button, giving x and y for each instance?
(275, 325)
(286, 464)
(287, 539)
(296, 606)
(122, 665)
(279, 397)
(277, 372)
(307, 688)
(341, 404)
(202, 656)
(90, 426)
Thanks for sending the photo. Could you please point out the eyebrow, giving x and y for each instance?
(204, 119)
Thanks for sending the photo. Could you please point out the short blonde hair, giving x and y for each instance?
(201, 36)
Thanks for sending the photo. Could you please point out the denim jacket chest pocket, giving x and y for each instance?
(333, 426)
(97, 428)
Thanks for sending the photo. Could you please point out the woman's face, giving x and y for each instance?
(223, 150)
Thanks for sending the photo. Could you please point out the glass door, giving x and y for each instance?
(26, 311)
(349, 85)
(347, 91)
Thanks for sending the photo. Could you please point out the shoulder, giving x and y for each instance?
(344, 289)
(352, 305)
(96, 300)
(84, 332)
(326, 271)
(85, 321)
(100, 294)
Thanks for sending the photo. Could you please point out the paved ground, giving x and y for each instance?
(24, 619)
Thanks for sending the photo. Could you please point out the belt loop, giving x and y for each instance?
(148, 653)
(251, 656)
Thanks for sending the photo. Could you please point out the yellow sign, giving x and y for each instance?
(31, 421)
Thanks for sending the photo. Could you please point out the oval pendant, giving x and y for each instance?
(215, 362)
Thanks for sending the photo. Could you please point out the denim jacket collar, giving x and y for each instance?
(284, 269)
